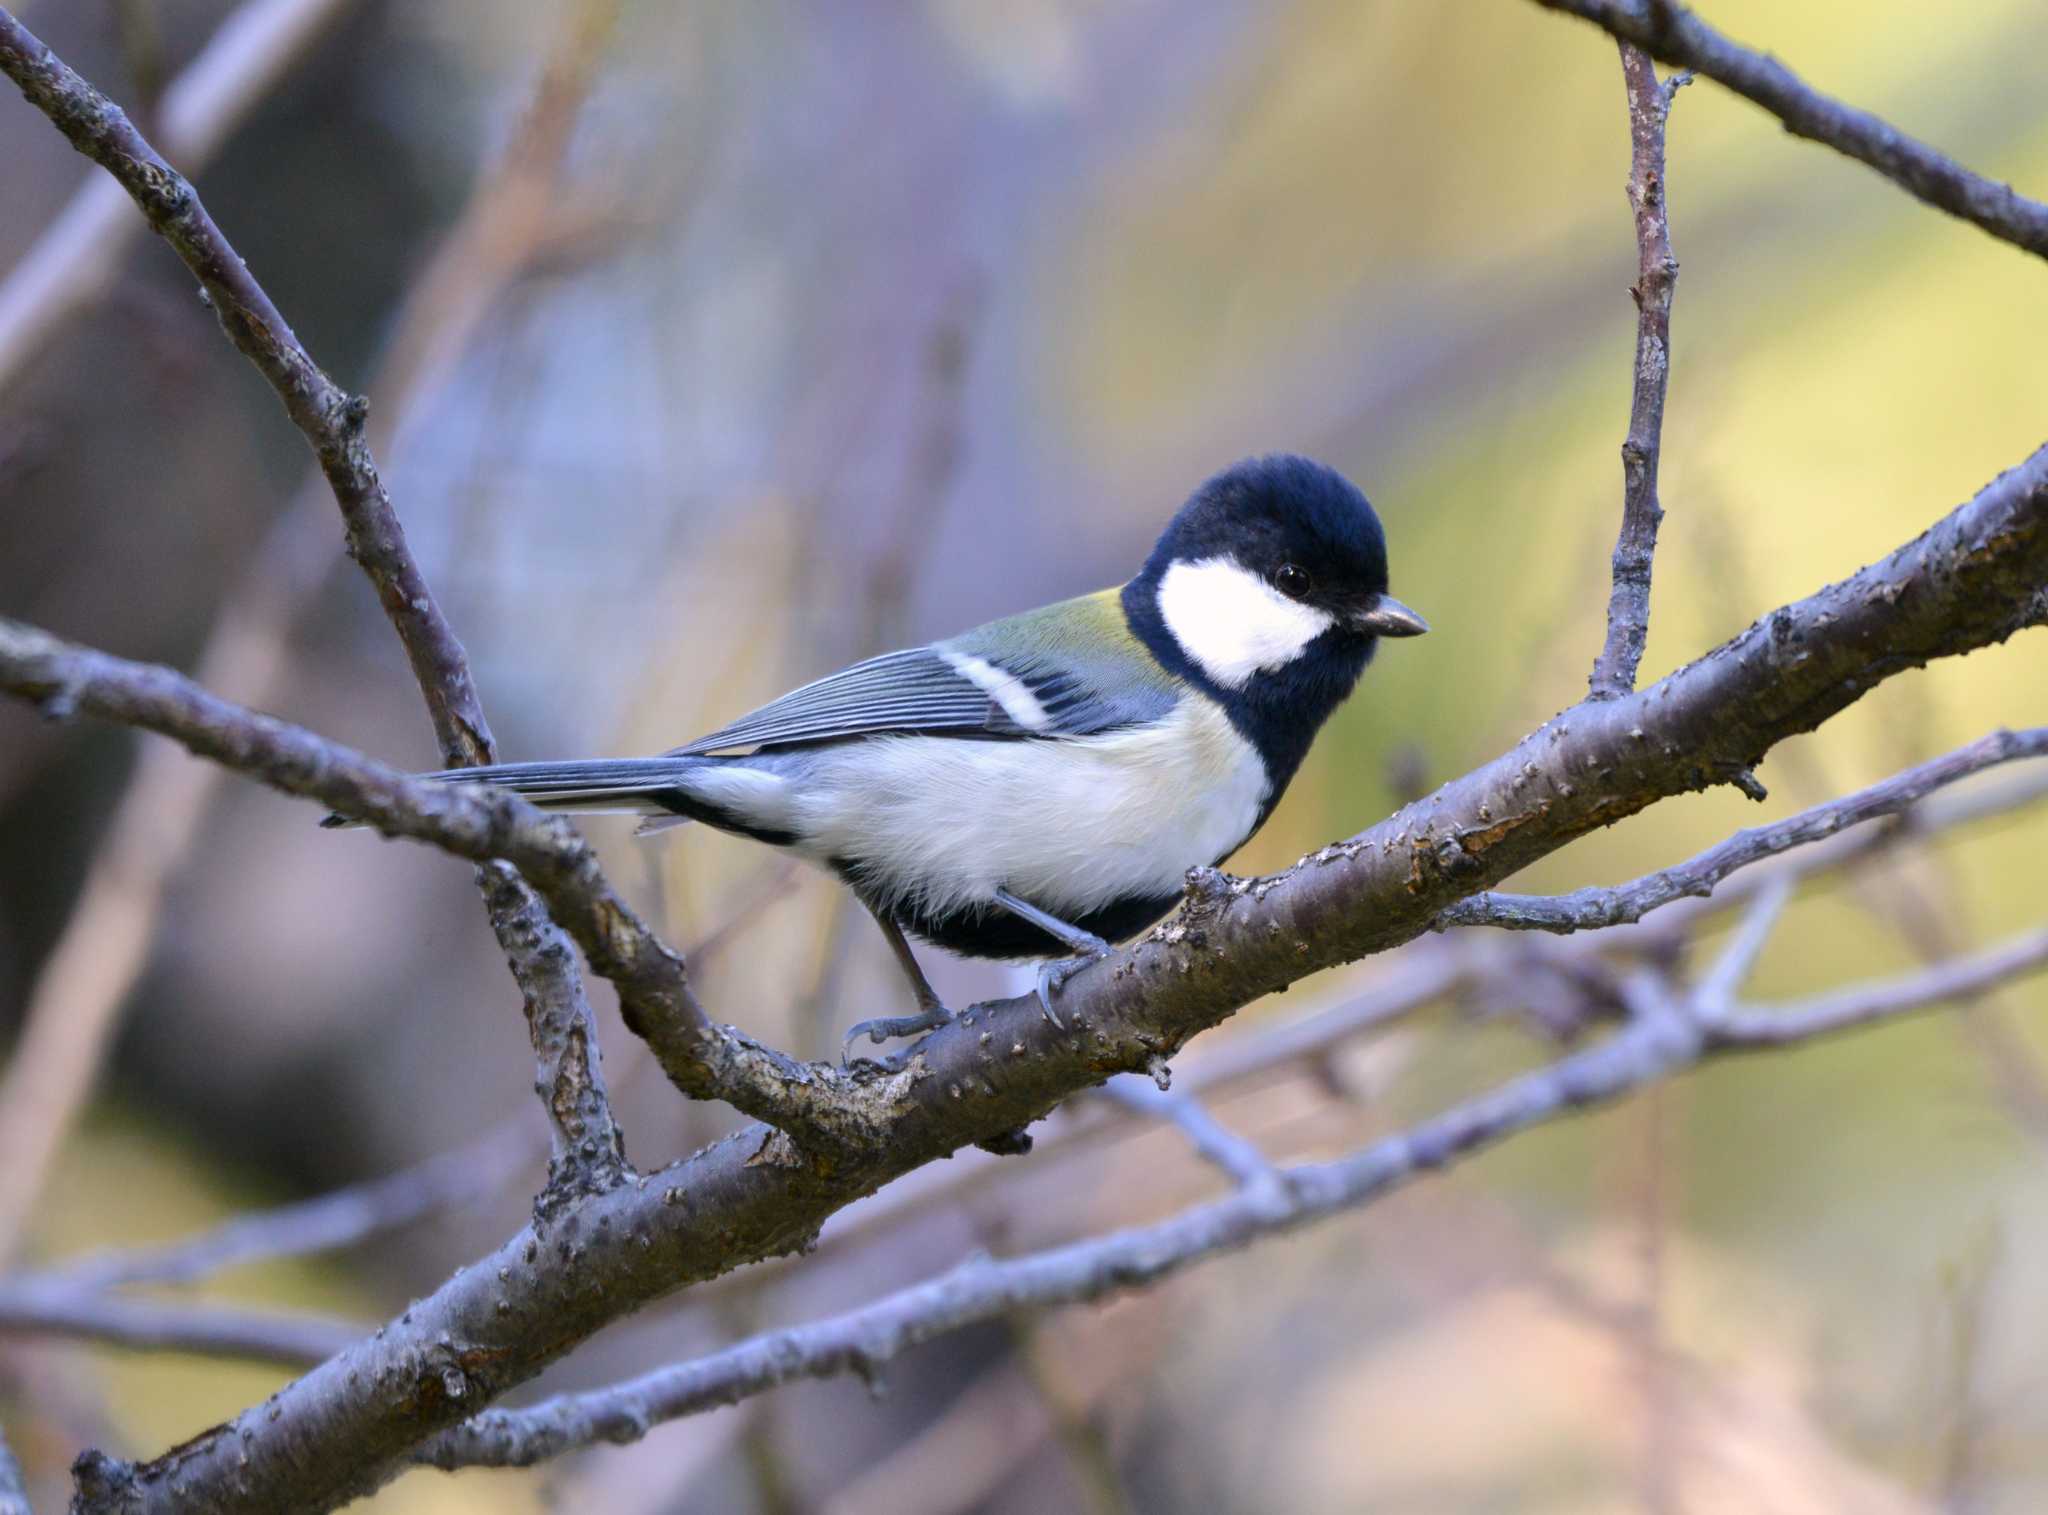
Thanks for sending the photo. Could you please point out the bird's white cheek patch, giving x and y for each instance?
(1232, 622)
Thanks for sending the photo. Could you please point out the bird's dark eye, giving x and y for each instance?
(1292, 581)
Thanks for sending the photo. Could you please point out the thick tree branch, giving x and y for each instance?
(1635, 549)
(344, 1427)
(1969, 581)
(1674, 35)
(1591, 909)
(1667, 1036)
(704, 1060)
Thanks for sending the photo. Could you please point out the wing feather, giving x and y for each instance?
(916, 690)
(1067, 670)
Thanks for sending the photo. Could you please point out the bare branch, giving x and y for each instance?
(340, 1218)
(354, 1213)
(1649, 1048)
(1973, 579)
(1418, 975)
(1635, 549)
(331, 419)
(1674, 35)
(1959, 978)
(1717, 987)
(42, 1308)
(76, 255)
(1214, 1142)
(1590, 909)
(706, 1061)
(588, 1151)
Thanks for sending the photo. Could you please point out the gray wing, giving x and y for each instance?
(915, 690)
(925, 690)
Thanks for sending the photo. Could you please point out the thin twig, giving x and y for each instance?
(1418, 974)
(1635, 549)
(588, 1150)
(331, 419)
(1974, 578)
(296, 1341)
(481, 824)
(341, 1218)
(73, 1008)
(1213, 1141)
(1718, 986)
(1960, 978)
(1589, 909)
(76, 255)
(1648, 1049)
(1674, 35)
(354, 1213)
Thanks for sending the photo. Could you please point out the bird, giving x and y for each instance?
(1039, 786)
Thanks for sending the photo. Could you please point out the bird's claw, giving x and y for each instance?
(1054, 973)
(886, 1027)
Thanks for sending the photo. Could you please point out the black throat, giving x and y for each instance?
(1278, 712)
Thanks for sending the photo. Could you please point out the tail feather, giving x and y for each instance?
(601, 785)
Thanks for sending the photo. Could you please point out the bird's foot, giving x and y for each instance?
(886, 1027)
(1053, 974)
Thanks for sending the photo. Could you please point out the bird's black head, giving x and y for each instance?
(1268, 590)
(1299, 528)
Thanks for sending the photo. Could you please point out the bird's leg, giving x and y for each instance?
(931, 1010)
(1053, 974)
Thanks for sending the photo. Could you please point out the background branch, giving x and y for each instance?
(1656, 1044)
(1972, 579)
(331, 419)
(1215, 1143)
(51, 1072)
(592, 1256)
(295, 1341)
(483, 825)
(1672, 34)
(75, 257)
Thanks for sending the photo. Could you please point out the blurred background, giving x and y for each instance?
(714, 346)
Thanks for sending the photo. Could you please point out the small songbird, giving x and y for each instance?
(1039, 786)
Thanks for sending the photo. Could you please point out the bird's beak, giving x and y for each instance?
(1387, 617)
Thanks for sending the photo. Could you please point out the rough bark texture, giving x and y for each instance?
(605, 1241)
(1969, 581)
(1635, 547)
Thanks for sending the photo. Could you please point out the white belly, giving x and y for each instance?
(1070, 825)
